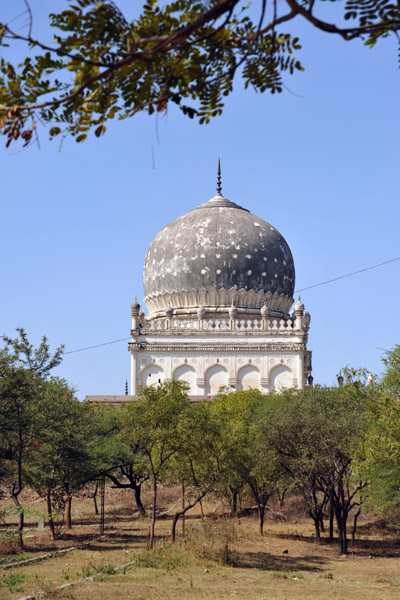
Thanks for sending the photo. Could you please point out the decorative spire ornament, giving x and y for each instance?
(219, 186)
(126, 387)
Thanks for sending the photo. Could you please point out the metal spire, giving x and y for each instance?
(219, 186)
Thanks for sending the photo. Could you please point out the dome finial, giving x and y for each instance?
(219, 186)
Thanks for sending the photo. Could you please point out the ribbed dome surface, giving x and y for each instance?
(219, 245)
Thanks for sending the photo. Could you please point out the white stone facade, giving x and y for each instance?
(220, 347)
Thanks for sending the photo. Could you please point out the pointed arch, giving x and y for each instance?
(153, 374)
(186, 373)
(215, 378)
(248, 377)
(281, 377)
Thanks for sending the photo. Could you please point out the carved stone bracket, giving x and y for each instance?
(212, 297)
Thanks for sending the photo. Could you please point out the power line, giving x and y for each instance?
(97, 346)
(301, 290)
(348, 275)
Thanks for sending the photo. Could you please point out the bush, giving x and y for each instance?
(167, 558)
(12, 582)
(212, 540)
(9, 543)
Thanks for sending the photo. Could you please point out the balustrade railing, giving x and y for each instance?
(213, 324)
(216, 324)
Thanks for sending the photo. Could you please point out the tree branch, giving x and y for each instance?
(211, 15)
(346, 33)
(28, 8)
(59, 51)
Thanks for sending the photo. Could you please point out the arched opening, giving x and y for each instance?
(186, 373)
(216, 377)
(248, 378)
(281, 377)
(152, 375)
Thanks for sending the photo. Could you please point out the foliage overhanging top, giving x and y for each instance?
(101, 65)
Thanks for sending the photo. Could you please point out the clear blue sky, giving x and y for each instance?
(320, 162)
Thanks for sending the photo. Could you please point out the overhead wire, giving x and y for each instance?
(97, 346)
(296, 291)
(348, 275)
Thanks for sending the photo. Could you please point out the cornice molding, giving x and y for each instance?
(220, 348)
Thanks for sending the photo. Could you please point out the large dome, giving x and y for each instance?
(218, 254)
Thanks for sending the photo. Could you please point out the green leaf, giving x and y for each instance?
(100, 130)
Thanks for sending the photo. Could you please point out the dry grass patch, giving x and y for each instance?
(219, 559)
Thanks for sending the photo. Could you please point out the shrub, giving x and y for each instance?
(212, 540)
(9, 543)
(167, 558)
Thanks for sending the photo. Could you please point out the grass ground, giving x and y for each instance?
(219, 559)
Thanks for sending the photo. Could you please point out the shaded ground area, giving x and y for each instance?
(268, 562)
(221, 558)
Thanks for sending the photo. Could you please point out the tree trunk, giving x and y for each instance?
(235, 494)
(321, 523)
(68, 520)
(343, 541)
(331, 518)
(281, 498)
(173, 528)
(201, 510)
(315, 512)
(344, 537)
(21, 519)
(183, 507)
(96, 508)
(182, 512)
(153, 514)
(17, 489)
(317, 524)
(138, 500)
(353, 533)
(133, 484)
(50, 516)
(261, 515)
(341, 511)
(342, 527)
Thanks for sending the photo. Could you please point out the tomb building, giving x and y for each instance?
(219, 285)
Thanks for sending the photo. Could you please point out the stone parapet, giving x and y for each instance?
(214, 326)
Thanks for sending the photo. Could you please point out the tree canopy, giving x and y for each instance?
(338, 448)
(102, 65)
(24, 371)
